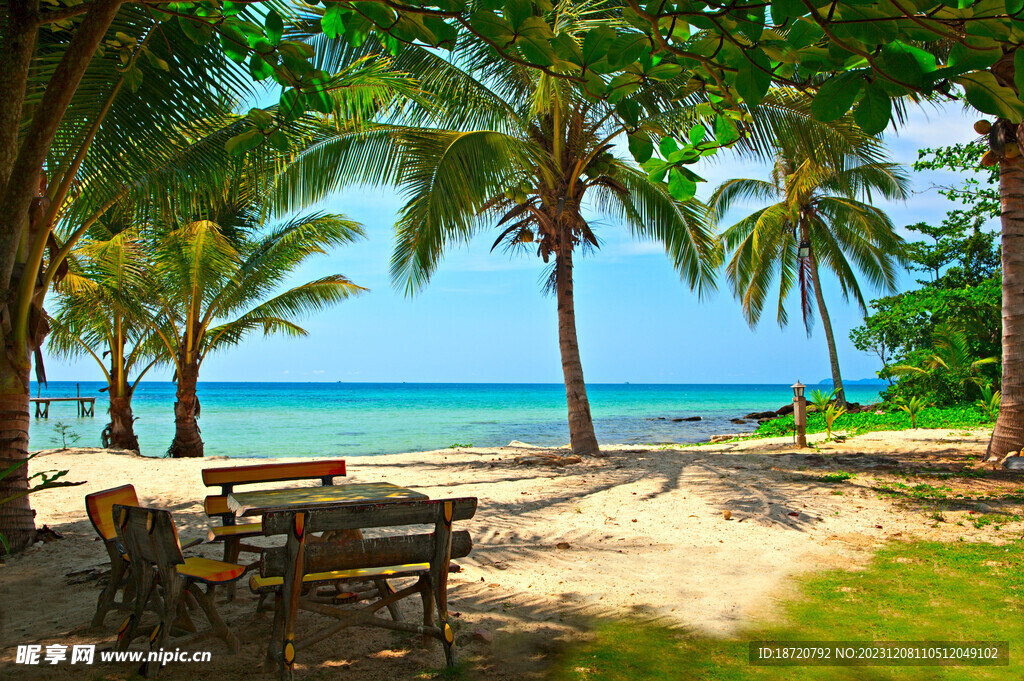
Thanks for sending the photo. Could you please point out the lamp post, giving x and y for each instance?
(800, 413)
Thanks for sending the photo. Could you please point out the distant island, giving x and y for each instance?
(859, 381)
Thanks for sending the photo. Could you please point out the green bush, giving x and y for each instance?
(963, 416)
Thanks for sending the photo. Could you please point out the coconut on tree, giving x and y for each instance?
(820, 219)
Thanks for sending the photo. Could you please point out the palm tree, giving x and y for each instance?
(214, 282)
(822, 218)
(92, 319)
(950, 358)
(512, 149)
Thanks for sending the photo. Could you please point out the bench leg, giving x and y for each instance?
(108, 597)
(383, 590)
(427, 596)
(219, 628)
(144, 580)
(276, 632)
(232, 549)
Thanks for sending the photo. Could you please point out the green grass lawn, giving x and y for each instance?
(910, 591)
(931, 417)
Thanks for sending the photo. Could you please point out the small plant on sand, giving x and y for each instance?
(913, 407)
(457, 445)
(63, 433)
(47, 480)
(832, 413)
(821, 399)
(840, 476)
(989, 402)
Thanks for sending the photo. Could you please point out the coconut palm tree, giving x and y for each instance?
(216, 279)
(821, 218)
(532, 157)
(92, 319)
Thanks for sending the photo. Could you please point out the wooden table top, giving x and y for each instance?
(265, 501)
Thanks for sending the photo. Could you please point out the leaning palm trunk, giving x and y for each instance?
(826, 323)
(581, 426)
(17, 522)
(120, 432)
(1009, 431)
(187, 441)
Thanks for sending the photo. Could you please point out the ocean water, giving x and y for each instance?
(353, 419)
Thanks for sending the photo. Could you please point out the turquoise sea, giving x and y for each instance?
(353, 419)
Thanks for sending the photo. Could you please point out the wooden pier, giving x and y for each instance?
(86, 405)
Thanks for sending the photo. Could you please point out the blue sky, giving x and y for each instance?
(483, 317)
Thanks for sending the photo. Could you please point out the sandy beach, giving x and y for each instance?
(639, 532)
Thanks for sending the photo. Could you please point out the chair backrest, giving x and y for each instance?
(227, 478)
(434, 548)
(100, 507)
(148, 534)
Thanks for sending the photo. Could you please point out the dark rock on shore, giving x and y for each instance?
(675, 420)
(785, 410)
(737, 421)
(761, 415)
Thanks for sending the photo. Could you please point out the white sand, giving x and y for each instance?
(645, 530)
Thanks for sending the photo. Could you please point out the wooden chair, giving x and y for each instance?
(294, 570)
(163, 576)
(233, 533)
(100, 508)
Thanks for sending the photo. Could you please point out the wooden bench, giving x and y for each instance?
(293, 571)
(161, 574)
(231, 532)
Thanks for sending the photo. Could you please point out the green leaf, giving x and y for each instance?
(697, 134)
(133, 77)
(754, 77)
(725, 130)
(787, 9)
(629, 112)
(1018, 70)
(908, 63)
(874, 110)
(656, 169)
(664, 72)
(641, 147)
(332, 23)
(667, 146)
(278, 140)
(597, 44)
(236, 47)
(259, 68)
(243, 143)
(491, 26)
(836, 96)
(198, 32)
(275, 26)
(628, 48)
(566, 49)
(681, 187)
(320, 98)
(517, 11)
(292, 104)
(988, 96)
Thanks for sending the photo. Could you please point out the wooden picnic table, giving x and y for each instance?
(308, 498)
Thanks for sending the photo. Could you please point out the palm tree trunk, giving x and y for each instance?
(1008, 435)
(826, 323)
(120, 432)
(187, 442)
(581, 425)
(17, 519)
